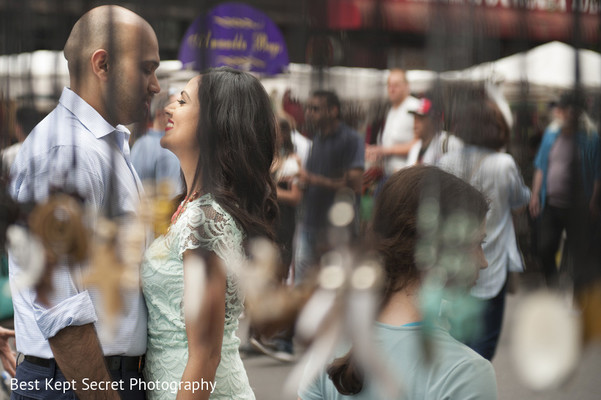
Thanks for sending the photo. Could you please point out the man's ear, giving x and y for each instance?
(100, 63)
(334, 112)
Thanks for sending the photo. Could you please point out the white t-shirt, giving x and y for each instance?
(290, 168)
(302, 146)
(441, 144)
(398, 129)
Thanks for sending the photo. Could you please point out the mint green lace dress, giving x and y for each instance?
(203, 223)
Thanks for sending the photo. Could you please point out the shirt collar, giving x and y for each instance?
(154, 132)
(88, 116)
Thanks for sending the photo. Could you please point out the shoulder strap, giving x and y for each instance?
(445, 144)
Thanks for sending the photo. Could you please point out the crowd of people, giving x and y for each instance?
(238, 171)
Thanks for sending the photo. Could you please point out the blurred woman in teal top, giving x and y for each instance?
(447, 369)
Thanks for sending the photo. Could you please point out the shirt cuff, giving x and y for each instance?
(74, 311)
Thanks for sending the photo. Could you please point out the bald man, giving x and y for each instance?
(82, 147)
(396, 138)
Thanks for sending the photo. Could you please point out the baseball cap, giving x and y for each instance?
(424, 107)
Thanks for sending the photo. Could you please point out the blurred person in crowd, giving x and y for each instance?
(223, 131)
(286, 170)
(335, 163)
(555, 114)
(293, 107)
(292, 111)
(26, 119)
(484, 130)
(432, 143)
(81, 147)
(449, 370)
(396, 136)
(565, 189)
(302, 144)
(154, 164)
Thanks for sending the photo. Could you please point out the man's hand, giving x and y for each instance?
(303, 179)
(9, 362)
(373, 153)
(537, 183)
(534, 206)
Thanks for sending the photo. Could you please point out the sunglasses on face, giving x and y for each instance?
(312, 108)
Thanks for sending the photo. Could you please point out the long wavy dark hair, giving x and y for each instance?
(395, 234)
(236, 136)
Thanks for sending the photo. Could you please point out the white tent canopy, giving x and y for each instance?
(548, 69)
(42, 75)
(39, 74)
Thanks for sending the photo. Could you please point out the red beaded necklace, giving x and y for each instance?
(183, 205)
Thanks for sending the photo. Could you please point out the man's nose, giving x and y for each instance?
(154, 86)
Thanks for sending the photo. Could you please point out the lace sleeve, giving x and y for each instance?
(206, 225)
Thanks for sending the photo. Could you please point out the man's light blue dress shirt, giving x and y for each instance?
(74, 148)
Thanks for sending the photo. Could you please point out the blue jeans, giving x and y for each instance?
(492, 320)
(311, 244)
(304, 257)
(36, 382)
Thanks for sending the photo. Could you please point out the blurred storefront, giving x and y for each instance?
(352, 33)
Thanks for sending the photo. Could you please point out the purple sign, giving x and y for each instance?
(234, 35)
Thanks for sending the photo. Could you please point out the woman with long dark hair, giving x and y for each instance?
(223, 131)
(418, 208)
